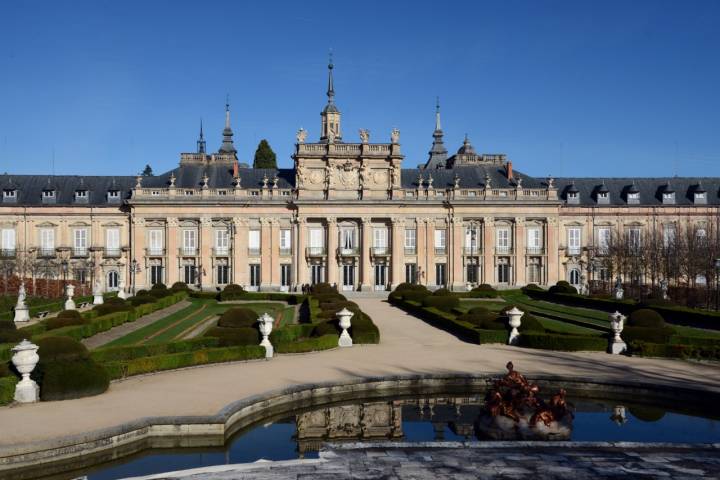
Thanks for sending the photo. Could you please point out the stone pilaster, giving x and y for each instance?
(430, 226)
(240, 264)
(301, 268)
(398, 253)
(142, 278)
(488, 250)
(266, 249)
(332, 242)
(421, 244)
(457, 282)
(553, 251)
(520, 257)
(172, 267)
(365, 245)
(275, 254)
(206, 242)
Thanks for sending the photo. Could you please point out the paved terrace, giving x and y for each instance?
(458, 461)
(409, 346)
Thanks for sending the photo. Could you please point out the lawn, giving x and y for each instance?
(179, 324)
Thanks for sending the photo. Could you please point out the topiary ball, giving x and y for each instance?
(646, 318)
(61, 348)
(234, 336)
(159, 286)
(179, 287)
(238, 317)
(324, 328)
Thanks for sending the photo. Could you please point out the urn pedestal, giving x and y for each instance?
(70, 303)
(617, 323)
(344, 316)
(266, 324)
(25, 358)
(22, 314)
(514, 315)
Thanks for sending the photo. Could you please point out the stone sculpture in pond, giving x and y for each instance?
(514, 411)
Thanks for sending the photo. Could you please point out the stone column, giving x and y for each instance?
(275, 253)
(206, 243)
(332, 242)
(520, 257)
(398, 253)
(458, 239)
(266, 249)
(301, 268)
(366, 277)
(142, 278)
(240, 254)
(489, 250)
(553, 255)
(421, 244)
(172, 263)
(430, 250)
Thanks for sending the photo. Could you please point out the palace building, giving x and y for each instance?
(347, 214)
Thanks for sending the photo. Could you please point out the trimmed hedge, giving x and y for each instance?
(66, 370)
(232, 291)
(325, 342)
(235, 336)
(7, 389)
(323, 288)
(563, 287)
(697, 352)
(238, 317)
(171, 361)
(445, 304)
(564, 343)
(131, 352)
(325, 328)
(66, 318)
(647, 318)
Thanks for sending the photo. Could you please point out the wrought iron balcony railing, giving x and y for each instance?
(535, 251)
(187, 251)
(315, 251)
(154, 252)
(111, 252)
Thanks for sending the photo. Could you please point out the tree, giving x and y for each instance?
(264, 156)
(147, 172)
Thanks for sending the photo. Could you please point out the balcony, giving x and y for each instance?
(221, 251)
(46, 252)
(80, 252)
(472, 250)
(410, 251)
(535, 251)
(254, 252)
(154, 252)
(348, 251)
(285, 252)
(187, 251)
(503, 250)
(112, 252)
(315, 251)
(440, 251)
(7, 253)
(380, 251)
(574, 250)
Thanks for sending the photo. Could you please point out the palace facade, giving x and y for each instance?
(347, 213)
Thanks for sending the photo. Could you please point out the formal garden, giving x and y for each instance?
(206, 328)
(561, 319)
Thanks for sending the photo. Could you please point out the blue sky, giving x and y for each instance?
(569, 88)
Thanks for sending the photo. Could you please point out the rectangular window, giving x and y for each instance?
(410, 240)
(503, 272)
(411, 273)
(347, 238)
(634, 241)
(440, 238)
(534, 272)
(255, 275)
(155, 240)
(534, 238)
(80, 242)
(223, 274)
(603, 240)
(503, 240)
(112, 238)
(47, 240)
(285, 271)
(254, 242)
(8, 240)
(317, 238)
(472, 273)
(440, 274)
(380, 238)
(189, 274)
(573, 241)
(285, 241)
(156, 274)
(222, 242)
(189, 242)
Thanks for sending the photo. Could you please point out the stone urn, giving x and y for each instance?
(265, 322)
(344, 316)
(514, 315)
(22, 311)
(69, 292)
(98, 293)
(25, 358)
(121, 291)
(617, 323)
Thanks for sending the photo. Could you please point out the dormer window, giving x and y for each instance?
(9, 195)
(633, 197)
(48, 196)
(668, 197)
(700, 197)
(572, 196)
(188, 193)
(113, 195)
(81, 195)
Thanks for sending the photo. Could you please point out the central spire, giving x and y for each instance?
(330, 116)
(227, 143)
(201, 140)
(438, 152)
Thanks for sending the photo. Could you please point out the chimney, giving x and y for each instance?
(508, 169)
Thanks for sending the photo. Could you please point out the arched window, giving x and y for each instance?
(113, 279)
(574, 277)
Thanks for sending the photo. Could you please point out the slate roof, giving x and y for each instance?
(30, 187)
(650, 189)
(221, 176)
(471, 176)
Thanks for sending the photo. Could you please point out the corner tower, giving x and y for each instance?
(330, 116)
